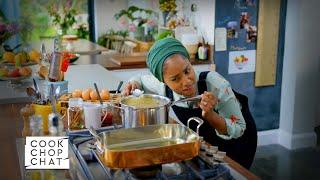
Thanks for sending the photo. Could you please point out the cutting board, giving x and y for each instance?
(128, 60)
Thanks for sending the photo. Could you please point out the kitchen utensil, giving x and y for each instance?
(154, 144)
(53, 118)
(119, 87)
(195, 98)
(137, 92)
(52, 98)
(97, 91)
(32, 93)
(38, 94)
(57, 93)
(101, 102)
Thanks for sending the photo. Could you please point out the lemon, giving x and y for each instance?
(8, 56)
(3, 72)
(21, 58)
(24, 57)
(34, 56)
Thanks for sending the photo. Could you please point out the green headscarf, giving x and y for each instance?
(160, 51)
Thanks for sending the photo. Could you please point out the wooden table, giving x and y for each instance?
(81, 46)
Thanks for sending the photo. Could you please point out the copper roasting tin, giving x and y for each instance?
(148, 145)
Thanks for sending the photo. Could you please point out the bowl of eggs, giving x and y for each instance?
(90, 95)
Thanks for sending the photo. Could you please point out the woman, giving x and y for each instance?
(174, 77)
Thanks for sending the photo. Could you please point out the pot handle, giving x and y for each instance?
(95, 134)
(198, 120)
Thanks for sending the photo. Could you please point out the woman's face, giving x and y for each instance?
(179, 75)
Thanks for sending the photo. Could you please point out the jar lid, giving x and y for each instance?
(75, 102)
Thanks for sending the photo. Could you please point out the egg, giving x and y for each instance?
(94, 95)
(77, 93)
(86, 95)
(90, 90)
(105, 95)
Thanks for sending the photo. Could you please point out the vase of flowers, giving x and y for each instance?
(141, 23)
(63, 17)
(167, 6)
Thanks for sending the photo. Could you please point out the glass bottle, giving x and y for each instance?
(75, 114)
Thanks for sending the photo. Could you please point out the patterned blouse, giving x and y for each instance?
(228, 106)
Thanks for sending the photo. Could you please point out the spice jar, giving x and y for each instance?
(75, 114)
(26, 112)
(36, 125)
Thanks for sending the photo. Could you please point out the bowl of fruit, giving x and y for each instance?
(21, 58)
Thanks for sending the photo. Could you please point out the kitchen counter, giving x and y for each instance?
(105, 61)
(80, 46)
(83, 73)
(78, 77)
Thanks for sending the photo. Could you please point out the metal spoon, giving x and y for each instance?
(195, 98)
(97, 90)
(37, 90)
(57, 92)
(53, 99)
(100, 100)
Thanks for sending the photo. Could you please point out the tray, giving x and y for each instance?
(148, 145)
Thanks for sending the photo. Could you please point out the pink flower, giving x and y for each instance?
(123, 20)
(151, 22)
(68, 4)
(3, 27)
(13, 28)
(54, 7)
(132, 27)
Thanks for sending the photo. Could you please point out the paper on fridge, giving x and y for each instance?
(221, 39)
(242, 61)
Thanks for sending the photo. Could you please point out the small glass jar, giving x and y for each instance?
(75, 114)
(36, 125)
(107, 115)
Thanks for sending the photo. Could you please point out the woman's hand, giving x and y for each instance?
(129, 87)
(207, 103)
